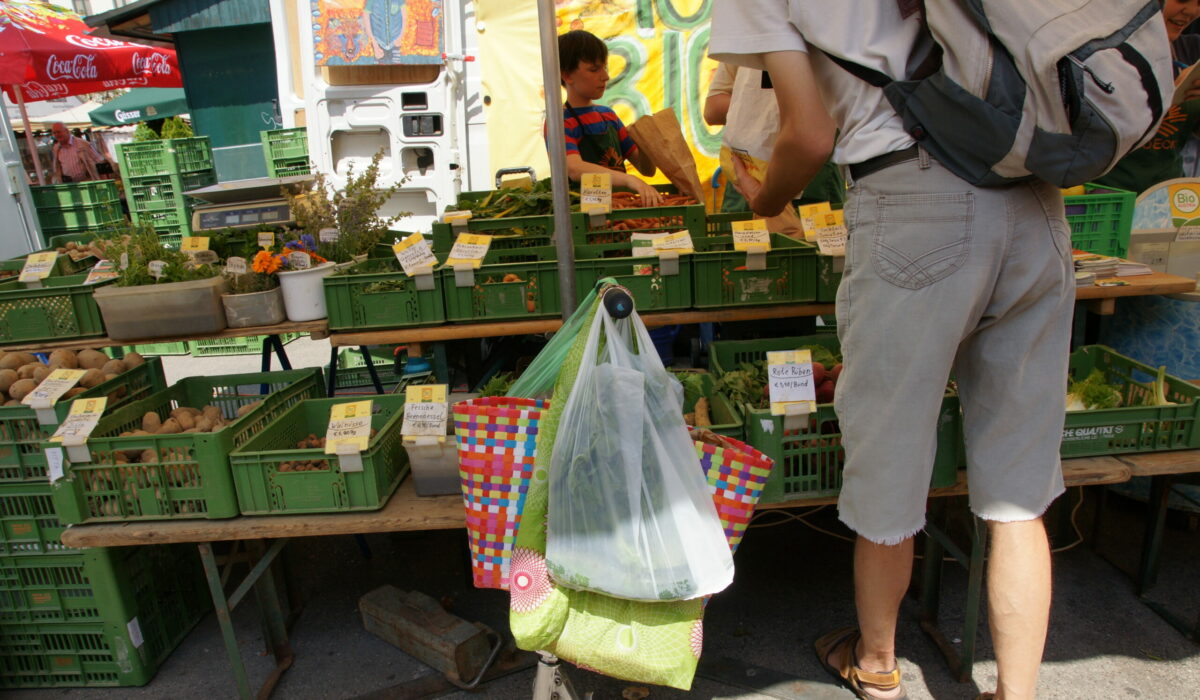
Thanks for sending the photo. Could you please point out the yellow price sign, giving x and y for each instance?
(790, 382)
(194, 244)
(469, 249)
(751, 235)
(349, 427)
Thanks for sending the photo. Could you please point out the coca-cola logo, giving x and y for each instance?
(123, 116)
(38, 91)
(154, 63)
(124, 83)
(78, 67)
(95, 42)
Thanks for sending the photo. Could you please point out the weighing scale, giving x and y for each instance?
(252, 203)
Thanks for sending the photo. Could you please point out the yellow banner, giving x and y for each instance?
(658, 58)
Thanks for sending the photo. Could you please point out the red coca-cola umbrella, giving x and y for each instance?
(46, 53)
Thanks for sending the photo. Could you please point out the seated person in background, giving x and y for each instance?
(1161, 158)
(742, 99)
(597, 141)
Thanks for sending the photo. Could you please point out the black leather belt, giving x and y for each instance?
(871, 165)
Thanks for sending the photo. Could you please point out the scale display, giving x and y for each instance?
(241, 215)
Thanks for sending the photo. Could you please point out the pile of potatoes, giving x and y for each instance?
(22, 372)
(312, 442)
(186, 419)
(79, 251)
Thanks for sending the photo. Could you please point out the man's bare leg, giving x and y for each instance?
(1018, 604)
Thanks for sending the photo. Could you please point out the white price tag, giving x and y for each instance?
(299, 261)
(469, 249)
(236, 266)
(328, 235)
(266, 239)
(101, 271)
(456, 218)
(124, 261)
(790, 382)
(349, 433)
(680, 242)
(43, 398)
(832, 241)
(79, 424)
(135, 633)
(425, 411)
(156, 268)
(751, 235)
(414, 255)
(595, 193)
(54, 463)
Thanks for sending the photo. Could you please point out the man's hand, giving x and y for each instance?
(748, 186)
(650, 196)
(1193, 91)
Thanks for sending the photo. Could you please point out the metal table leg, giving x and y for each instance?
(370, 362)
(272, 343)
(268, 599)
(937, 544)
(331, 386)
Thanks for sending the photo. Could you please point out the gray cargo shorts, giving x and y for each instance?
(945, 277)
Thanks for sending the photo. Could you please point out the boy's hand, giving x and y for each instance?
(1193, 91)
(650, 196)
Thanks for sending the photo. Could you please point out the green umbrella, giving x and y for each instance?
(139, 105)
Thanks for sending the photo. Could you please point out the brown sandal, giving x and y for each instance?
(845, 643)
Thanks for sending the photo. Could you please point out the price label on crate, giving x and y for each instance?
(156, 268)
(679, 242)
(46, 394)
(469, 249)
(349, 433)
(328, 235)
(425, 411)
(299, 260)
(38, 266)
(456, 218)
(266, 239)
(831, 234)
(790, 382)
(101, 271)
(79, 424)
(414, 255)
(194, 244)
(595, 193)
(751, 236)
(808, 218)
(236, 266)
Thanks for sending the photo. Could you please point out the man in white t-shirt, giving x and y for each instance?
(940, 276)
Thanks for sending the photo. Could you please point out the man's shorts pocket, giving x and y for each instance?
(921, 238)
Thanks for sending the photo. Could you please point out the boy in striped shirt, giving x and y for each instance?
(597, 141)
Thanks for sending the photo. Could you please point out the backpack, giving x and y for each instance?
(1059, 90)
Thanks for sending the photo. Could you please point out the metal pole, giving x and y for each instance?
(33, 151)
(557, 145)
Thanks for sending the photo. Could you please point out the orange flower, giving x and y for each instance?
(266, 263)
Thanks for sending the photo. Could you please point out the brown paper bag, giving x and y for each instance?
(660, 137)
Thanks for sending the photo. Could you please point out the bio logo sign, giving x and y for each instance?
(1185, 204)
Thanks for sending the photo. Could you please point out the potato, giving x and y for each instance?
(113, 367)
(148, 455)
(192, 430)
(171, 427)
(26, 371)
(110, 377)
(151, 422)
(7, 377)
(204, 424)
(92, 378)
(20, 388)
(13, 360)
(248, 408)
(213, 414)
(40, 374)
(186, 411)
(65, 359)
(12, 402)
(186, 421)
(73, 392)
(91, 359)
(133, 359)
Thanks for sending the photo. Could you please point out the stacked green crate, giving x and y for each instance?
(77, 207)
(158, 173)
(251, 345)
(286, 151)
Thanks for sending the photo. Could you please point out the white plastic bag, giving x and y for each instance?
(630, 514)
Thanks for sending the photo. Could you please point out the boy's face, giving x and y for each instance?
(588, 80)
(1178, 15)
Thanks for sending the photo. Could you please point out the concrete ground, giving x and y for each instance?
(792, 584)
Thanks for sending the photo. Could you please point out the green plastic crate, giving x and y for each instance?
(74, 194)
(651, 290)
(809, 459)
(492, 299)
(286, 167)
(190, 475)
(165, 157)
(620, 224)
(1101, 220)
(376, 293)
(721, 223)
(174, 219)
(125, 609)
(83, 216)
(829, 277)
(507, 233)
(28, 523)
(63, 308)
(1134, 427)
(263, 489)
(166, 192)
(352, 369)
(22, 436)
(722, 279)
(217, 347)
(159, 349)
(726, 418)
(284, 143)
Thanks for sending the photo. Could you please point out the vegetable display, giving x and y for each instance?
(22, 372)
